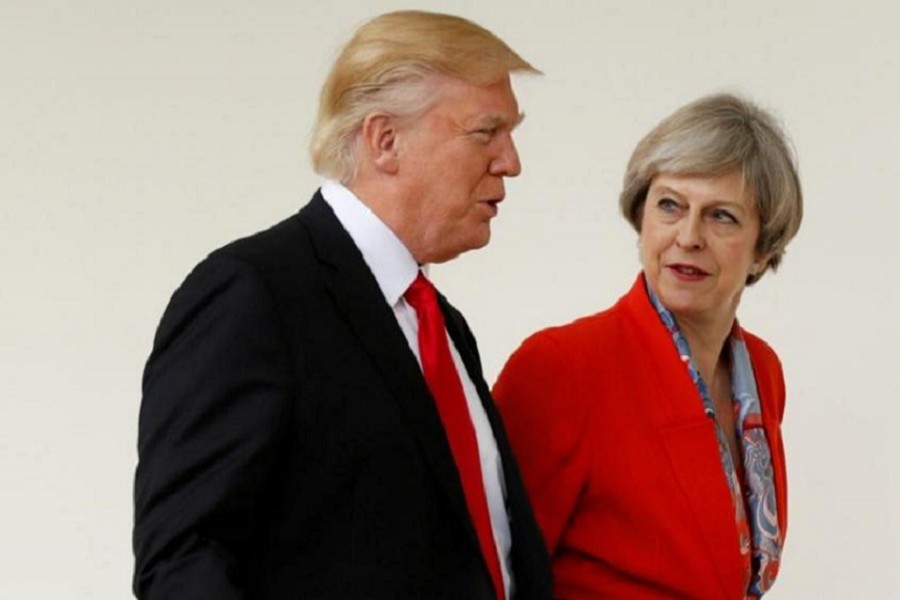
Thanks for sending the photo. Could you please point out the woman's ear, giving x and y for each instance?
(759, 266)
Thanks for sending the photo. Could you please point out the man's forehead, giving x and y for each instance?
(474, 105)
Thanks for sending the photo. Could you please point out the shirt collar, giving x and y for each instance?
(388, 258)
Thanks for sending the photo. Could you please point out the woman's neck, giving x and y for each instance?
(707, 341)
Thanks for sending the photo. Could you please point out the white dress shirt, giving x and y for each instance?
(395, 269)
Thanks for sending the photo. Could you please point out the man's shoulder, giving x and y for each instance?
(277, 257)
(266, 245)
(282, 243)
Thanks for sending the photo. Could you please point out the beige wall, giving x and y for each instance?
(135, 137)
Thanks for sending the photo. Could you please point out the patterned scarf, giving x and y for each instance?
(760, 538)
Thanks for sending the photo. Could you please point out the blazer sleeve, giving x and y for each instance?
(215, 405)
(543, 413)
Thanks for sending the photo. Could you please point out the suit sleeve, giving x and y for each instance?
(215, 405)
(543, 413)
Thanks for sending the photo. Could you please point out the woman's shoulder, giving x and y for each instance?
(760, 350)
(768, 372)
(548, 365)
(582, 336)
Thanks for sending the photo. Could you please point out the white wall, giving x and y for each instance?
(135, 137)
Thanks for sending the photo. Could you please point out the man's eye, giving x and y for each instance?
(486, 133)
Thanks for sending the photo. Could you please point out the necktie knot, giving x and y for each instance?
(421, 294)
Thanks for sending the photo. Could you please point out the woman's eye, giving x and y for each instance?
(723, 216)
(667, 204)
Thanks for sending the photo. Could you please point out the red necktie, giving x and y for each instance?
(444, 384)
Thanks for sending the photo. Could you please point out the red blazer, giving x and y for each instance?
(621, 464)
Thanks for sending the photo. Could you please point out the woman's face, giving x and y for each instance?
(698, 243)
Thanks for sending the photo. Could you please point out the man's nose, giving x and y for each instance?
(506, 163)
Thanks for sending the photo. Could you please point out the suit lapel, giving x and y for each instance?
(357, 296)
(529, 553)
(465, 344)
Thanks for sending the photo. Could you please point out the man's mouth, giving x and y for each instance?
(493, 204)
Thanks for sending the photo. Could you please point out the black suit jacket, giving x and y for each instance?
(288, 444)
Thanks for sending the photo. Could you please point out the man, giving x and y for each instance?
(306, 429)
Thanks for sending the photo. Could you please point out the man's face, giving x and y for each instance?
(452, 161)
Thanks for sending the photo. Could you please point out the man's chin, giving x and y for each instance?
(449, 253)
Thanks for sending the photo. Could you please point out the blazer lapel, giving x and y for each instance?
(356, 294)
(689, 439)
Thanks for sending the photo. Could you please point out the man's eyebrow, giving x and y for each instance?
(498, 121)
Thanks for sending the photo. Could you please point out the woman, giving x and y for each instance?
(649, 434)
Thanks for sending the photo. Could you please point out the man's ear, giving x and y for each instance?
(379, 138)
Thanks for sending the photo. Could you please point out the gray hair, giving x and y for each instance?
(712, 135)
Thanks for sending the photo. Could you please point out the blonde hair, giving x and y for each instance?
(710, 136)
(388, 66)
